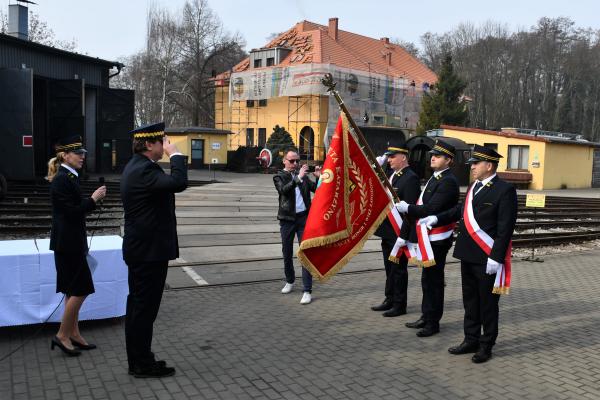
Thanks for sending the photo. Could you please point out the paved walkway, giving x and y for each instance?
(251, 342)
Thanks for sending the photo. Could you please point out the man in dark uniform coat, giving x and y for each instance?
(150, 240)
(406, 184)
(495, 211)
(440, 194)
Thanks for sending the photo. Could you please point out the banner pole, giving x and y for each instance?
(330, 84)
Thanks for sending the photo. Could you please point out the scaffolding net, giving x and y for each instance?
(371, 98)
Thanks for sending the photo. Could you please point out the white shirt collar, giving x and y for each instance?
(436, 173)
(486, 180)
(70, 169)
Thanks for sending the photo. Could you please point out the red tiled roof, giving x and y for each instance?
(311, 42)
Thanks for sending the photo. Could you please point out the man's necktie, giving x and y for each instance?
(478, 186)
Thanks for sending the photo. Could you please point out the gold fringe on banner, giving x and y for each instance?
(340, 264)
(343, 234)
(358, 247)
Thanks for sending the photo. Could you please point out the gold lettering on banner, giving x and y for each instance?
(361, 187)
(338, 183)
(331, 153)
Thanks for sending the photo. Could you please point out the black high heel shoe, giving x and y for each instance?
(56, 342)
(81, 346)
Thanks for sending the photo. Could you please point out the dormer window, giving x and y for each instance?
(268, 57)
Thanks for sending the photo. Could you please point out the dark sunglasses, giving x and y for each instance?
(294, 161)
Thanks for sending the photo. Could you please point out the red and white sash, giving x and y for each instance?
(407, 248)
(485, 242)
(424, 256)
(396, 221)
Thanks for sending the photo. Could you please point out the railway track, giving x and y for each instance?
(25, 213)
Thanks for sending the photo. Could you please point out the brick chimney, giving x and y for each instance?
(388, 58)
(333, 28)
(385, 40)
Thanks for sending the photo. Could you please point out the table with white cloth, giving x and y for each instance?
(28, 282)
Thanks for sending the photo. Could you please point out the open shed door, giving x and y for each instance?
(66, 110)
(115, 121)
(16, 124)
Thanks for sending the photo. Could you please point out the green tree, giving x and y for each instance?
(279, 141)
(444, 103)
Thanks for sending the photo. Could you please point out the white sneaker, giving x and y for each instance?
(306, 298)
(287, 288)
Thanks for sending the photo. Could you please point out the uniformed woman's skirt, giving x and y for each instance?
(73, 276)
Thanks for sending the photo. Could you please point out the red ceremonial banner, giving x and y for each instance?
(349, 204)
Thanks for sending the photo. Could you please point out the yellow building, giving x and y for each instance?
(203, 146)
(280, 84)
(541, 159)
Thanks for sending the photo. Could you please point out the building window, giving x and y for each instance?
(249, 103)
(493, 146)
(270, 61)
(518, 157)
(262, 103)
(378, 119)
(249, 137)
(262, 137)
(258, 63)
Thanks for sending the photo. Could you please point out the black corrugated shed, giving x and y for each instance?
(47, 93)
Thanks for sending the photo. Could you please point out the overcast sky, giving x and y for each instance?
(111, 29)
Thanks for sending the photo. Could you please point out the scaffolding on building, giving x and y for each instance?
(299, 119)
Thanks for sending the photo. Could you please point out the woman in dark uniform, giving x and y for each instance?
(68, 239)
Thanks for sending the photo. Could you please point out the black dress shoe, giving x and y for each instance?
(428, 331)
(70, 352)
(386, 305)
(464, 348)
(482, 355)
(395, 312)
(418, 324)
(81, 346)
(160, 363)
(154, 371)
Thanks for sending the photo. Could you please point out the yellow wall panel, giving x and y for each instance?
(552, 165)
(568, 166)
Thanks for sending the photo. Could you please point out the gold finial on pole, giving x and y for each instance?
(330, 84)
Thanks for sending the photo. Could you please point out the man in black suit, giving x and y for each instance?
(440, 194)
(406, 184)
(483, 246)
(150, 240)
(294, 186)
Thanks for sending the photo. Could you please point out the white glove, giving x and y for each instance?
(381, 160)
(402, 206)
(429, 221)
(401, 242)
(492, 267)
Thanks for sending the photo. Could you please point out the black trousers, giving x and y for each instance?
(146, 284)
(396, 276)
(432, 283)
(481, 305)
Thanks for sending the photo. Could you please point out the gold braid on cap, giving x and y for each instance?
(148, 134)
(443, 150)
(485, 156)
(68, 146)
(397, 149)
